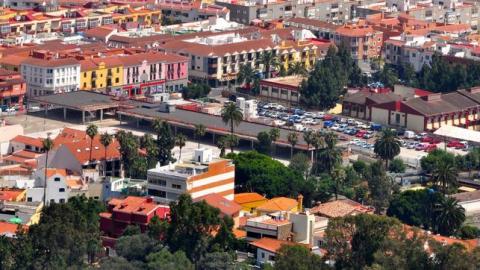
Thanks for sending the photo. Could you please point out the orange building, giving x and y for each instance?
(365, 42)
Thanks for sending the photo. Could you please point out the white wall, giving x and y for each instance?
(415, 122)
(380, 116)
(263, 256)
(303, 225)
(57, 79)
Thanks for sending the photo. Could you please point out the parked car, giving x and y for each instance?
(430, 147)
(360, 134)
(455, 144)
(428, 139)
(328, 117)
(309, 114)
(351, 121)
(375, 127)
(367, 135)
(320, 115)
(335, 127)
(327, 124)
(412, 145)
(409, 134)
(421, 146)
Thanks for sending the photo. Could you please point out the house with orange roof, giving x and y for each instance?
(12, 194)
(340, 208)
(130, 211)
(8, 229)
(365, 42)
(249, 201)
(279, 204)
(226, 207)
(267, 249)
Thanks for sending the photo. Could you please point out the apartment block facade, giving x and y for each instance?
(12, 88)
(199, 177)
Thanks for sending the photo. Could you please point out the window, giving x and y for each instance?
(29, 199)
(57, 179)
(52, 200)
(62, 200)
(49, 71)
(176, 186)
(157, 193)
(159, 182)
(61, 190)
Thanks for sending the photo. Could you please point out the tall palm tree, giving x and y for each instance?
(308, 137)
(387, 146)
(199, 132)
(339, 176)
(292, 139)
(318, 141)
(329, 156)
(105, 139)
(47, 145)
(92, 131)
(232, 115)
(222, 144)
(297, 68)
(157, 126)
(246, 75)
(445, 173)
(180, 141)
(449, 216)
(274, 136)
(269, 60)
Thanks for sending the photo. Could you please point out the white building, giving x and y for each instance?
(57, 187)
(50, 76)
(201, 176)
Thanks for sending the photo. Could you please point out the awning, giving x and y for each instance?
(461, 134)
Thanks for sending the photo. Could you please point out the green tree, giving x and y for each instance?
(92, 131)
(148, 143)
(128, 150)
(297, 257)
(274, 136)
(449, 216)
(397, 166)
(300, 163)
(387, 146)
(180, 141)
(434, 158)
(380, 186)
(414, 207)
(329, 156)
(47, 145)
(339, 176)
(136, 247)
(6, 253)
(269, 60)
(292, 140)
(165, 141)
(468, 232)
(195, 91)
(352, 241)
(216, 260)
(264, 143)
(246, 75)
(222, 144)
(387, 76)
(165, 260)
(200, 131)
(297, 68)
(445, 173)
(231, 115)
(106, 139)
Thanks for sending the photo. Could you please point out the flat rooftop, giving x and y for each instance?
(293, 80)
(79, 100)
(214, 124)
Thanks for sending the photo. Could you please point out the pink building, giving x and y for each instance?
(149, 73)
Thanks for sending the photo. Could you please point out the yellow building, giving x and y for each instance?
(100, 73)
(249, 201)
(292, 52)
(141, 15)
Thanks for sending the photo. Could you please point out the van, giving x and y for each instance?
(409, 134)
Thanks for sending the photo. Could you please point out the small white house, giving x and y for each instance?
(267, 249)
(57, 187)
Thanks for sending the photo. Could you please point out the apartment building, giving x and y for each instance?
(184, 12)
(283, 89)
(364, 41)
(199, 177)
(48, 75)
(12, 89)
(321, 29)
(101, 73)
(216, 59)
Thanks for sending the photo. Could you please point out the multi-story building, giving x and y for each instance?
(321, 29)
(216, 59)
(101, 73)
(130, 211)
(282, 89)
(199, 177)
(184, 12)
(49, 75)
(12, 88)
(365, 42)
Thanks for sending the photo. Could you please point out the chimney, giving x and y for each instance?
(300, 202)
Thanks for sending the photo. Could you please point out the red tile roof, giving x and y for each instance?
(340, 208)
(10, 194)
(9, 229)
(37, 142)
(278, 204)
(226, 207)
(51, 62)
(248, 197)
(273, 245)
(138, 205)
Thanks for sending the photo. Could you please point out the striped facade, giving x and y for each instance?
(166, 184)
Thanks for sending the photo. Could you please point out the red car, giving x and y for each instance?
(360, 133)
(431, 140)
(455, 144)
(327, 117)
(430, 148)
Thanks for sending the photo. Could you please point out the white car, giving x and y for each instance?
(308, 121)
(335, 127)
(309, 115)
(351, 121)
(299, 127)
(320, 115)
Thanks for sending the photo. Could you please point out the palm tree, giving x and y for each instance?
(199, 132)
(157, 126)
(222, 144)
(318, 141)
(308, 138)
(297, 68)
(339, 176)
(105, 139)
(292, 139)
(92, 131)
(47, 145)
(246, 75)
(180, 141)
(445, 173)
(269, 60)
(274, 136)
(329, 156)
(449, 216)
(232, 115)
(387, 146)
